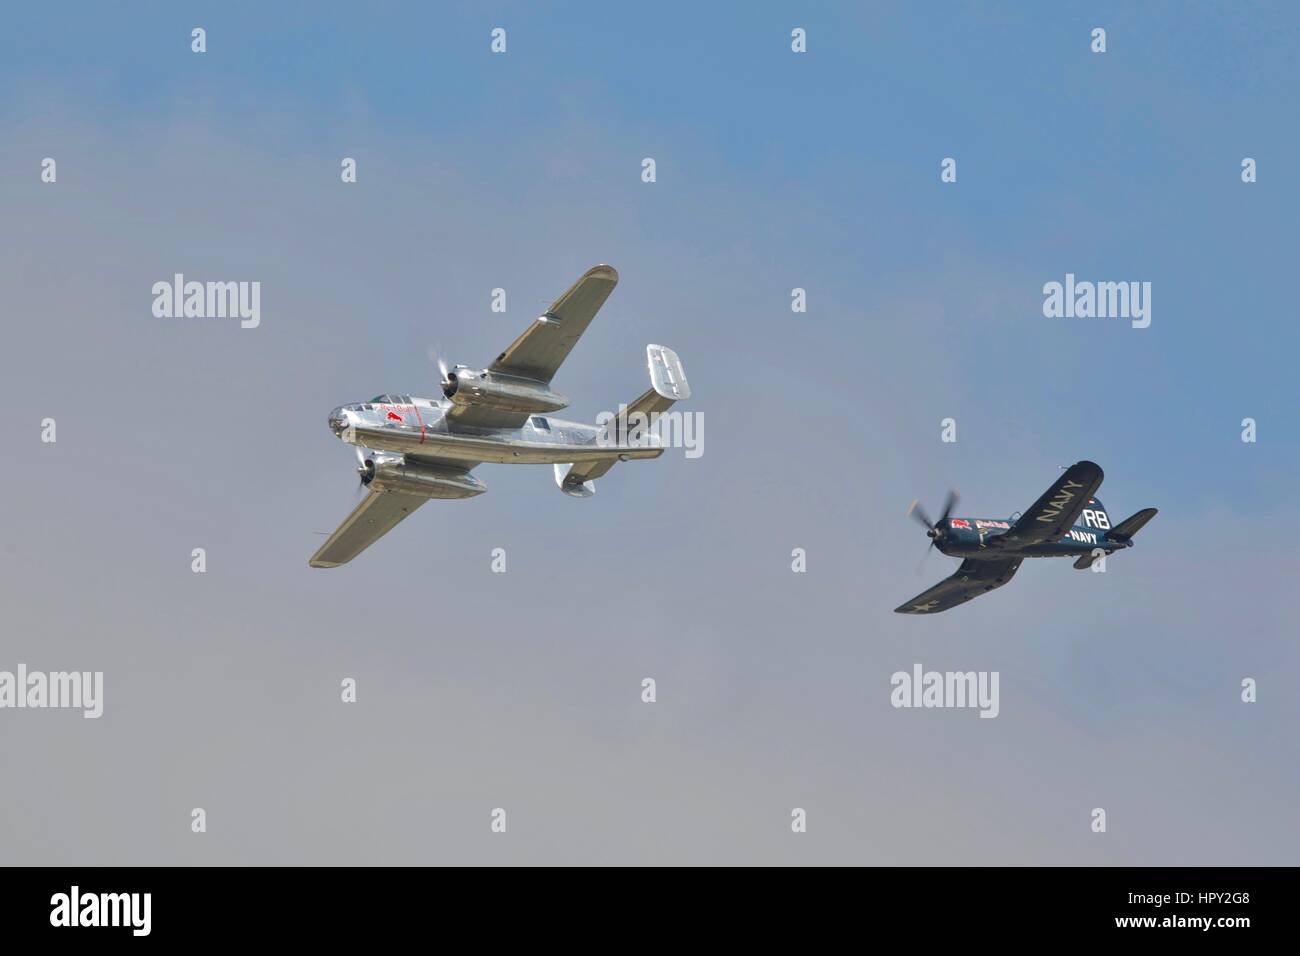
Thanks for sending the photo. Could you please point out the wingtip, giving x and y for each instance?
(602, 271)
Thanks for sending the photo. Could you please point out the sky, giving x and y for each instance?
(522, 690)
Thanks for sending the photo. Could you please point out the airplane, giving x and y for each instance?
(410, 450)
(1068, 521)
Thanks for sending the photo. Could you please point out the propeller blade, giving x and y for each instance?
(949, 505)
(435, 353)
(362, 470)
(920, 565)
(916, 511)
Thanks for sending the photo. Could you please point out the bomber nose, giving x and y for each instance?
(338, 420)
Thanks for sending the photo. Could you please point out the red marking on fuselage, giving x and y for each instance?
(416, 409)
(396, 417)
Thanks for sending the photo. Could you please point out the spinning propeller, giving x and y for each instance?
(444, 373)
(934, 529)
(365, 469)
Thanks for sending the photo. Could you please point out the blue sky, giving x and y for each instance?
(775, 170)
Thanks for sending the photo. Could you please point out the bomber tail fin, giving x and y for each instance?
(667, 385)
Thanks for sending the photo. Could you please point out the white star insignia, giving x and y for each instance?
(923, 608)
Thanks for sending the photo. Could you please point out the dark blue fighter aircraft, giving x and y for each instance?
(1068, 521)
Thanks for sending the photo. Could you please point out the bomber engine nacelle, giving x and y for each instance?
(395, 473)
(464, 386)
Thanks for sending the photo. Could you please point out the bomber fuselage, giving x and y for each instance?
(419, 427)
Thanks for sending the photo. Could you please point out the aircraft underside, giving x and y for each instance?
(1060, 549)
(503, 448)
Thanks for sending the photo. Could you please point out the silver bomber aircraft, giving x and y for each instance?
(412, 449)
(1068, 521)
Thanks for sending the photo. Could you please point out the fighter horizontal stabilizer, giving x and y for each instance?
(1132, 524)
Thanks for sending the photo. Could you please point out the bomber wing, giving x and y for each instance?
(377, 514)
(538, 353)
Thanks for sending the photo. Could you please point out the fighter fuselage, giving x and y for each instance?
(971, 537)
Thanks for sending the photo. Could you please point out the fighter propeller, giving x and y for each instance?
(934, 529)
